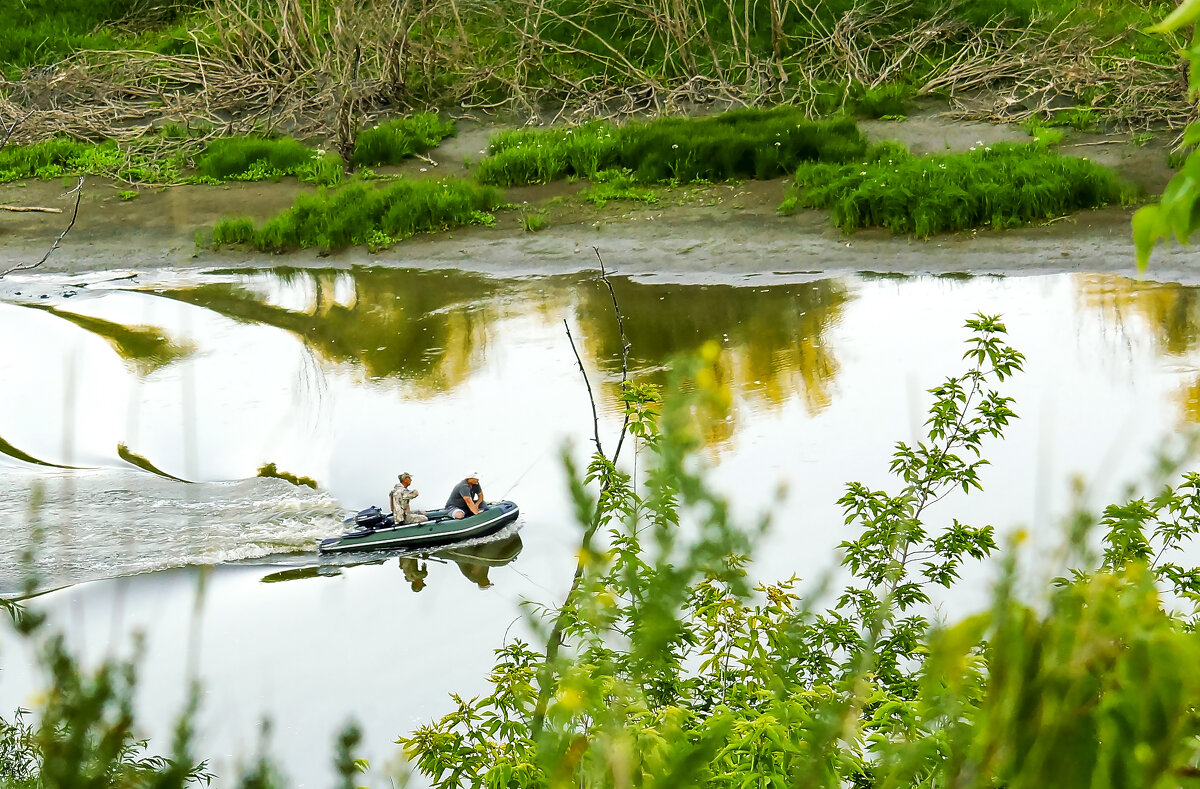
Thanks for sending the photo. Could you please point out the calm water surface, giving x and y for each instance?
(352, 376)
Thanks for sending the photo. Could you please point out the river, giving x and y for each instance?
(166, 390)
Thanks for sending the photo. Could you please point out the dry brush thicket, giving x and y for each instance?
(309, 67)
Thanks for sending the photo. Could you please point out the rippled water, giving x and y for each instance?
(70, 527)
(169, 390)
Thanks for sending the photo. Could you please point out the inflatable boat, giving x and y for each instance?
(374, 530)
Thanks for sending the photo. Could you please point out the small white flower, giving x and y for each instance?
(972, 147)
(777, 144)
(987, 149)
(424, 169)
(864, 172)
(674, 146)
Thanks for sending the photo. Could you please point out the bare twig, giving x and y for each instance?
(78, 191)
(588, 384)
(624, 349)
(34, 208)
(554, 642)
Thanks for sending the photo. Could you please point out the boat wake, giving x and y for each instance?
(68, 528)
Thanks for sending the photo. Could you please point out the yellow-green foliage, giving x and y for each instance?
(739, 144)
(358, 213)
(997, 186)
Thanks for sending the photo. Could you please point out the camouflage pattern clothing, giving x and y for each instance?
(401, 509)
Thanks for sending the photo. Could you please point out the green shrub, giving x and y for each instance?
(394, 141)
(995, 186)
(354, 214)
(748, 143)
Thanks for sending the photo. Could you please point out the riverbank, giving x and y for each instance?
(705, 233)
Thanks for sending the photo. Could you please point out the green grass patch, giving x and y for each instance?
(394, 141)
(362, 214)
(1000, 186)
(1042, 132)
(260, 159)
(58, 157)
(269, 470)
(617, 184)
(740, 144)
(533, 221)
(885, 101)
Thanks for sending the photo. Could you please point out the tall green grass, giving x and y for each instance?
(746, 143)
(55, 157)
(394, 141)
(359, 214)
(37, 32)
(997, 186)
(259, 158)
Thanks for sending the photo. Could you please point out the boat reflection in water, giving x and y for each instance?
(473, 560)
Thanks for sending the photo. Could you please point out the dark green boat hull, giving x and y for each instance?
(440, 531)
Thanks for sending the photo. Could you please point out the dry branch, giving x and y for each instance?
(78, 191)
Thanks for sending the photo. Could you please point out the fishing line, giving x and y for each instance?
(529, 468)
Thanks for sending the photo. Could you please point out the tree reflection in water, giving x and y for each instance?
(1168, 310)
(773, 338)
(430, 328)
(425, 327)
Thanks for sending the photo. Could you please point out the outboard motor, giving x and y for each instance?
(370, 518)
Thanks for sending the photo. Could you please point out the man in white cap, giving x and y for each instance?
(466, 498)
(402, 494)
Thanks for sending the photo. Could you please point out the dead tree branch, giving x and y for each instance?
(78, 191)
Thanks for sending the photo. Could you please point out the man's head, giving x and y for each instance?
(405, 478)
(473, 478)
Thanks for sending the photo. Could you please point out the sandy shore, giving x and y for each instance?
(726, 232)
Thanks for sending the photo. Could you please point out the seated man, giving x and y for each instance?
(402, 494)
(466, 498)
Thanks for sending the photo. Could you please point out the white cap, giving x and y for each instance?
(473, 475)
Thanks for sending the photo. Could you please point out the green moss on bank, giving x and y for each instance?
(741, 144)
(361, 214)
(997, 186)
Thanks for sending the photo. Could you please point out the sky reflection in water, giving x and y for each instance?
(353, 376)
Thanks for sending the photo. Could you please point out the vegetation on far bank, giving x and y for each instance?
(313, 61)
(175, 154)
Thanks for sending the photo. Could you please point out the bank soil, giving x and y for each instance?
(709, 233)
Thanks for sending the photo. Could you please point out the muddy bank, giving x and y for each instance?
(707, 233)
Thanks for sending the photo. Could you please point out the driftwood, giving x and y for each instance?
(33, 208)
